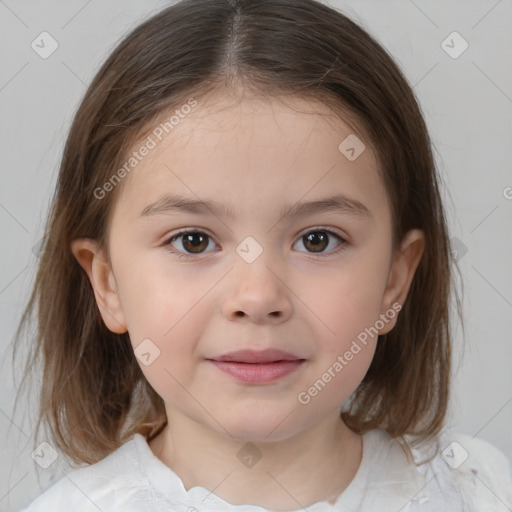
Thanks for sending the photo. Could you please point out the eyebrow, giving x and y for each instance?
(339, 203)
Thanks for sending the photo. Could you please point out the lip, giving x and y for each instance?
(270, 355)
(258, 373)
(257, 367)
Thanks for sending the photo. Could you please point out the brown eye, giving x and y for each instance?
(195, 242)
(316, 241)
(319, 240)
(192, 242)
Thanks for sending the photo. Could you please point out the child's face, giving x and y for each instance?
(300, 294)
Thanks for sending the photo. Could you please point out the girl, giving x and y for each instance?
(243, 296)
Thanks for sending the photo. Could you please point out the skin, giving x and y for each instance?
(257, 155)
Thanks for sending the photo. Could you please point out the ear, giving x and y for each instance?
(103, 282)
(403, 267)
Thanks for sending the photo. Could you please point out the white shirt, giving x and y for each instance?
(133, 479)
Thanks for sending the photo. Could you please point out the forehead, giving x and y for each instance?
(251, 153)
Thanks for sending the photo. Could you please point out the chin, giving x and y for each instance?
(258, 428)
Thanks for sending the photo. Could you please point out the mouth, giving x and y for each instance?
(255, 367)
(248, 356)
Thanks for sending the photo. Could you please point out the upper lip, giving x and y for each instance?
(270, 355)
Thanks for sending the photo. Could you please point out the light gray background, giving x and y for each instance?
(467, 103)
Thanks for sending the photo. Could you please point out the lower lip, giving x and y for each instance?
(258, 373)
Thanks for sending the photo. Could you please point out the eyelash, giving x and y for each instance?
(340, 248)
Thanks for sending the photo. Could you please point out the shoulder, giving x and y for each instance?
(454, 472)
(469, 467)
(110, 484)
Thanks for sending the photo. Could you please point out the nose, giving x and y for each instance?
(258, 293)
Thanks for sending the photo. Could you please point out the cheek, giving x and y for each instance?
(158, 295)
(163, 318)
(346, 301)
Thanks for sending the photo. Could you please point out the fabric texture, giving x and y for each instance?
(465, 475)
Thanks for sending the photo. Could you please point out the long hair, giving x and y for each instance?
(93, 395)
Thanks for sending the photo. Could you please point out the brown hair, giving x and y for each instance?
(93, 393)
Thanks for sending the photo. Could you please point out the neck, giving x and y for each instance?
(314, 465)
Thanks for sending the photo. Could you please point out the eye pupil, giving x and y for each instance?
(192, 238)
(315, 238)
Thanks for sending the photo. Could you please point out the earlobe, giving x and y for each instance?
(402, 271)
(98, 269)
